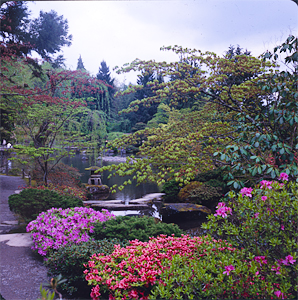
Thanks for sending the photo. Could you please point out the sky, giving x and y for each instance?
(121, 31)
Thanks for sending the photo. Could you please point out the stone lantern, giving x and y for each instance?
(94, 186)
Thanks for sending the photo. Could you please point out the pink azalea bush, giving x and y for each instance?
(171, 267)
(265, 224)
(57, 227)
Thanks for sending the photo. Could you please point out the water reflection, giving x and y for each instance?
(130, 192)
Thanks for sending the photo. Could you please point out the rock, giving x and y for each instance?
(173, 212)
(98, 189)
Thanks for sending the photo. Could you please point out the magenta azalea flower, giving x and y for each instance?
(288, 260)
(264, 198)
(222, 210)
(246, 192)
(228, 269)
(266, 184)
(279, 294)
(284, 177)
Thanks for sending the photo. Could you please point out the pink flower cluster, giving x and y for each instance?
(284, 177)
(57, 227)
(287, 261)
(246, 192)
(222, 210)
(266, 184)
(127, 271)
(228, 269)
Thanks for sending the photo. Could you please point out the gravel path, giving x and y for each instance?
(21, 271)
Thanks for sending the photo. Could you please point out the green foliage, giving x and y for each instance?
(29, 203)
(69, 262)
(263, 221)
(114, 135)
(45, 294)
(200, 193)
(171, 189)
(205, 278)
(268, 142)
(178, 150)
(131, 228)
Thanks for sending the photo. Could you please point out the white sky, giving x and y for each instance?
(121, 31)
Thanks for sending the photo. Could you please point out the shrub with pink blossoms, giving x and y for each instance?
(170, 267)
(223, 210)
(57, 227)
(265, 224)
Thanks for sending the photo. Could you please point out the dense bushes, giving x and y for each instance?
(171, 189)
(256, 261)
(200, 193)
(264, 221)
(131, 228)
(69, 262)
(179, 268)
(207, 189)
(29, 203)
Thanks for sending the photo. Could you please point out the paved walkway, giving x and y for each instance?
(21, 271)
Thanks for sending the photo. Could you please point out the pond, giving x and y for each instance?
(130, 192)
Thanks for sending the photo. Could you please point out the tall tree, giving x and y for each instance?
(80, 65)
(254, 139)
(44, 107)
(49, 33)
(144, 113)
(14, 21)
(104, 74)
(46, 34)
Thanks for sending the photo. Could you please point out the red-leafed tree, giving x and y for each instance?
(42, 103)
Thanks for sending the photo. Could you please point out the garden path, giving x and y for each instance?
(21, 271)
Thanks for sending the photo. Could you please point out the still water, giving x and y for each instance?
(130, 192)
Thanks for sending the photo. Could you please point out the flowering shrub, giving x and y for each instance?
(57, 227)
(180, 267)
(264, 221)
(220, 274)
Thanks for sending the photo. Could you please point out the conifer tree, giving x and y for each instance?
(80, 65)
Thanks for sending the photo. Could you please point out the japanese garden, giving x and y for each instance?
(216, 132)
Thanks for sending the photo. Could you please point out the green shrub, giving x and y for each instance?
(264, 221)
(171, 190)
(29, 203)
(220, 274)
(115, 135)
(214, 178)
(131, 228)
(69, 262)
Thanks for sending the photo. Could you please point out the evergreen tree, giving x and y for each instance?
(46, 34)
(104, 74)
(49, 33)
(80, 65)
(145, 112)
(14, 22)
